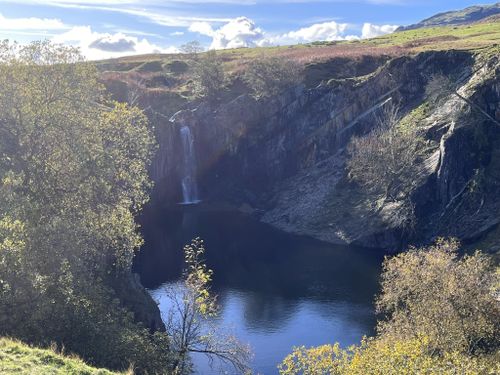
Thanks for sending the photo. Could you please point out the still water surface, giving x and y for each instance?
(276, 290)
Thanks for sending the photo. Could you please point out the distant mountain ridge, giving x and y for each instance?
(457, 17)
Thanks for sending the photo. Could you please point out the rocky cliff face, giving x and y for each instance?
(285, 156)
(466, 181)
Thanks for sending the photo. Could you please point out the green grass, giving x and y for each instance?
(17, 358)
(322, 60)
(415, 116)
(473, 36)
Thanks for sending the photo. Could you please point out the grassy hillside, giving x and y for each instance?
(18, 358)
(458, 17)
(167, 77)
(468, 37)
(478, 35)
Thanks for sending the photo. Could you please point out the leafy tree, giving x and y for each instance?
(73, 173)
(190, 321)
(269, 76)
(451, 300)
(441, 317)
(209, 77)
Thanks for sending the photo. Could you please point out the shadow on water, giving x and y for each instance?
(275, 289)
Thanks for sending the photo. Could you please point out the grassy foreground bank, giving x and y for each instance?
(18, 358)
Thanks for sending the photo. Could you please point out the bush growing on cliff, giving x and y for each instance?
(441, 315)
(269, 76)
(73, 172)
(385, 162)
(208, 77)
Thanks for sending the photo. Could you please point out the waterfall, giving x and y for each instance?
(189, 186)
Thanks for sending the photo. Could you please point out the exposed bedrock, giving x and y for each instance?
(285, 156)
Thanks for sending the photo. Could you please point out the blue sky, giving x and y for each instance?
(112, 28)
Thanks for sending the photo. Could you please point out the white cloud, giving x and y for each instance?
(31, 23)
(203, 28)
(370, 31)
(242, 32)
(177, 33)
(173, 12)
(163, 13)
(238, 32)
(95, 45)
(320, 31)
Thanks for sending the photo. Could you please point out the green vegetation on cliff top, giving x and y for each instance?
(171, 76)
(465, 37)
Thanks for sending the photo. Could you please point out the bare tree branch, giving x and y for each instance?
(190, 319)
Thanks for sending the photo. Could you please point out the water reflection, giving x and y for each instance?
(277, 290)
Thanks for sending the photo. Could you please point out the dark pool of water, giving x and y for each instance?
(276, 290)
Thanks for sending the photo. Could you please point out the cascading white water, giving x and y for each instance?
(189, 185)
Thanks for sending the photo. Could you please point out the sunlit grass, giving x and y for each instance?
(442, 38)
(17, 358)
(473, 36)
(479, 37)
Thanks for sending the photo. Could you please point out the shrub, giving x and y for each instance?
(177, 67)
(441, 317)
(451, 300)
(209, 77)
(269, 76)
(385, 162)
(73, 173)
(384, 357)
